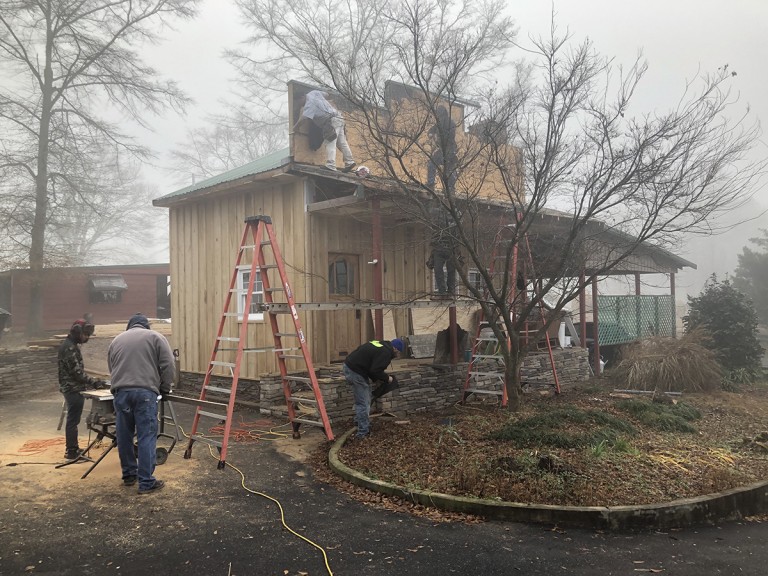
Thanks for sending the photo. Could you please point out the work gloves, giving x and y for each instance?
(384, 388)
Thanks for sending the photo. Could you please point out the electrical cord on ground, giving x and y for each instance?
(282, 513)
(247, 431)
(33, 448)
(268, 497)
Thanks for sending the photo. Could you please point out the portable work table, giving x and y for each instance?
(101, 420)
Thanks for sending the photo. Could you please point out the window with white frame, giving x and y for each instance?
(243, 278)
(475, 280)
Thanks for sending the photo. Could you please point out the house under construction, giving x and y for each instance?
(354, 257)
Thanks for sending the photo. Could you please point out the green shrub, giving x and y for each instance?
(729, 318)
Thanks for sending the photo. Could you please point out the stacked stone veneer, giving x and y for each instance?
(28, 371)
(247, 390)
(423, 387)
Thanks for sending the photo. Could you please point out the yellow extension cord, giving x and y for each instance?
(275, 500)
(282, 515)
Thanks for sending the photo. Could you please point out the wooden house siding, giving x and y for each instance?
(204, 238)
(405, 251)
(66, 295)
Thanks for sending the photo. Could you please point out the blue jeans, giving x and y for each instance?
(75, 403)
(361, 389)
(136, 415)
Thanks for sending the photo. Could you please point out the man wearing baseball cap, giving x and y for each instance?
(366, 363)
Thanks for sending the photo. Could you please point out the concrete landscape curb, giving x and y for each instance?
(709, 509)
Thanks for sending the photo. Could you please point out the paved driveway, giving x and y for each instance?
(205, 523)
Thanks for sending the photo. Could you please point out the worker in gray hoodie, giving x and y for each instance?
(141, 365)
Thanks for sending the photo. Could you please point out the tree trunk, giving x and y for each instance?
(512, 381)
(37, 245)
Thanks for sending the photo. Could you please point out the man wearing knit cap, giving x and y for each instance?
(142, 368)
(366, 363)
(73, 380)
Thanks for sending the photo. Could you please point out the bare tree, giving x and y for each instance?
(102, 212)
(67, 61)
(99, 212)
(229, 141)
(554, 129)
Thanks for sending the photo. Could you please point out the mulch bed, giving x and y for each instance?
(453, 452)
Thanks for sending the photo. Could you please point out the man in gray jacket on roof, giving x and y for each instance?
(330, 121)
(142, 369)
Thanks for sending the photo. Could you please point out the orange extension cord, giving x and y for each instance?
(34, 447)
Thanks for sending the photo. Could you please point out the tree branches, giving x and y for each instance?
(551, 133)
(68, 62)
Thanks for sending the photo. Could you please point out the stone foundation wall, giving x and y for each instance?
(190, 384)
(422, 388)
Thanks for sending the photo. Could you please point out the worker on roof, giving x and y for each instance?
(331, 122)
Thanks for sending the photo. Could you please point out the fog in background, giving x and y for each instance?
(678, 39)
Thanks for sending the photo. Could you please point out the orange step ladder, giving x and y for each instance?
(229, 350)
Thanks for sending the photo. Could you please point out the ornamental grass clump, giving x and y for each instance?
(669, 365)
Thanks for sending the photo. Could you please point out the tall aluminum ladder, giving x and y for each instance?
(486, 360)
(485, 346)
(228, 349)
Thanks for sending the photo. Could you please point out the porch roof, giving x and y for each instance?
(349, 195)
(548, 226)
(266, 164)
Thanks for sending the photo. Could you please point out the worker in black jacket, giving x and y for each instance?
(73, 380)
(367, 363)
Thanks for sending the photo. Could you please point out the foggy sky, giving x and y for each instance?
(678, 38)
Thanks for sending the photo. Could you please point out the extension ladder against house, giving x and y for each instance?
(486, 361)
(229, 350)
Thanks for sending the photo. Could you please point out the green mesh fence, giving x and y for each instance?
(627, 318)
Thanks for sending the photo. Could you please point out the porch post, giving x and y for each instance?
(638, 308)
(583, 308)
(674, 303)
(453, 334)
(595, 339)
(378, 268)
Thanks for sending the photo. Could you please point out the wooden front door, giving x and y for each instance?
(344, 286)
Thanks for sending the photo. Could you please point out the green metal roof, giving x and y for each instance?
(264, 164)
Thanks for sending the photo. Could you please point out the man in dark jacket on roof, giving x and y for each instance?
(73, 380)
(366, 363)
